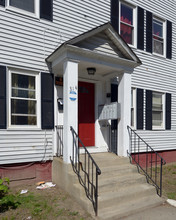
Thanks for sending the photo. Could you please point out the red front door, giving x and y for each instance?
(86, 113)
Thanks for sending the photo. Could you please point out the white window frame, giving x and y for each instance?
(163, 111)
(24, 12)
(37, 98)
(133, 98)
(134, 21)
(164, 36)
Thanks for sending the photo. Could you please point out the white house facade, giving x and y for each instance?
(98, 66)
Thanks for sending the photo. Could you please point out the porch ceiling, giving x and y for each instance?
(102, 48)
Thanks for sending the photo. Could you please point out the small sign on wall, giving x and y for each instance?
(58, 81)
(73, 93)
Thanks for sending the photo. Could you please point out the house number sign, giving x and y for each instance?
(73, 93)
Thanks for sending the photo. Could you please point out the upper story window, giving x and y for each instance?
(158, 36)
(127, 27)
(33, 8)
(27, 5)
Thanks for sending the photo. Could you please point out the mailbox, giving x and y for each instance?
(109, 111)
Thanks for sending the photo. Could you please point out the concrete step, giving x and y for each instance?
(120, 210)
(125, 194)
(112, 171)
(116, 182)
(111, 162)
(109, 172)
(105, 159)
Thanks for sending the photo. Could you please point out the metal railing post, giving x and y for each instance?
(88, 179)
(146, 170)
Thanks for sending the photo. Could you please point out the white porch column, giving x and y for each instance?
(124, 98)
(70, 93)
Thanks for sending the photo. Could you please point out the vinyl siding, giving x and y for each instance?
(100, 43)
(26, 42)
(25, 146)
(158, 74)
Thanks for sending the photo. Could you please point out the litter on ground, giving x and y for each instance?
(23, 191)
(46, 185)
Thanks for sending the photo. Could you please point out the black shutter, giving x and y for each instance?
(140, 104)
(47, 100)
(168, 111)
(3, 122)
(169, 40)
(140, 29)
(2, 2)
(46, 9)
(148, 118)
(115, 14)
(149, 23)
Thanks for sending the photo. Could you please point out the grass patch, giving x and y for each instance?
(43, 205)
(169, 181)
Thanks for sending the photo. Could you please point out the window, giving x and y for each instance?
(157, 110)
(158, 36)
(23, 100)
(30, 7)
(27, 5)
(127, 23)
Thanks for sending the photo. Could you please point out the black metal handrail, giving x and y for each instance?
(147, 159)
(59, 130)
(86, 169)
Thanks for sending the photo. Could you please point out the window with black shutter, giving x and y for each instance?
(47, 100)
(158, 31)
(158, 108)
(3, 123)
(39, 8)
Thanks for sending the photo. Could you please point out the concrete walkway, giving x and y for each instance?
(162, 212)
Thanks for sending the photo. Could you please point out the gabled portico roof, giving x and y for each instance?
(102, 42)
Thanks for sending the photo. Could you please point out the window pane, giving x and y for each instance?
(23, 81)
(127, 33)
(157, 109)
(23, 107)
(23, 93)
(132, 117)
(158, 28)
(158, 47)
(23, 120)
(126, 14)
(157, 119)
(27, 5)
(157, 98)
(132, 98)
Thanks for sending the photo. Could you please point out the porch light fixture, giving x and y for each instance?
(91, 70)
